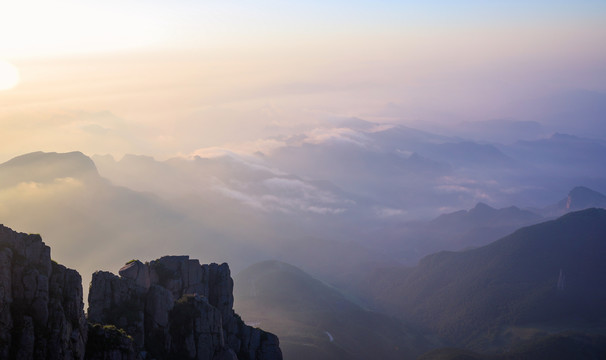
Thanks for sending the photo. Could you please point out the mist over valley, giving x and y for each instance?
(228, 180)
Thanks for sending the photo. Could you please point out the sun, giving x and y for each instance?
(9, 75)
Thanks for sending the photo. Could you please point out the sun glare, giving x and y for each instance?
(9, 75)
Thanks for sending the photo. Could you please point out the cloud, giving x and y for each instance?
(32, 188)
(240, 196)
(337, 135)
(248, 160)
(96, 129)
(476, 190)
(386, 212)
(64, 131)
(282, 195)
(22, 195)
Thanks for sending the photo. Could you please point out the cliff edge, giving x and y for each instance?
(170, 308)
(41, 308)
(176, 308)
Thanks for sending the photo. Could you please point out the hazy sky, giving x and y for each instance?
(165, 78)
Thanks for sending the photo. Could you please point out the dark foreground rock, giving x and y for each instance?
(175, 308)
(171, 308)
(41, 308)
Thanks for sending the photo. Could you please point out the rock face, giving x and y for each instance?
(175, 308)
(171, 308)
(41, 308)
(109, 343)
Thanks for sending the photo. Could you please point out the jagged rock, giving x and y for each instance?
(117, 301)
(171, 308)
(196, 279)
(137, 271)
(186, 312)
(159, 303)
(221, 290)
(195, 328)
(42, 312)
(66, 323)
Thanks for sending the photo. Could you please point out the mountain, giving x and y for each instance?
(455, 231)
(541, 278)
(95, 223)
(563, 346)
(581, 198)
(578, 198)
(498, 130)
(561, 152)
(172, 307)
(483, 215)
(43, 167)
(221, 190)
(315, 320)
(551, 166)
(478, 226)
(395, 166)
(586, 107)
(91, 222)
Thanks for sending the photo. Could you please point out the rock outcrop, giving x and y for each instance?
(41, 308)
(171, 308)
(176, 308)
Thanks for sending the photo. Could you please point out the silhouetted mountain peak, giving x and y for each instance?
(275, 282)
(578, 198)
(294, 305)
(482, 207)
(582, 197)
(483, 215)
(75, 158)
(515, 280)
(46, 167)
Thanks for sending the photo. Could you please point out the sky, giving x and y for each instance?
(168, 78)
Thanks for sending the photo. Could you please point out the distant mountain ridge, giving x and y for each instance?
(316, 321)
(46, 167)
(579, 198)
(455, 231)
(475, 297)
(483, 215)
(582, 198)
(563, 346)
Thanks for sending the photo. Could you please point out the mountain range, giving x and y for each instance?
(316, 321)
(315, 225)
(424, 272)
(539, 279)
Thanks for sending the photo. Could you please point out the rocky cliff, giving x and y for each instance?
(170, 308)
(41, 309)
(174, 307)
